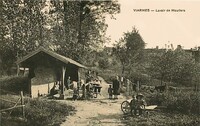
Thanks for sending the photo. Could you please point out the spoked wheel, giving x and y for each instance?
(125, 107)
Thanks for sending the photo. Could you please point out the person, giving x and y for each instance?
(138, 104)
(133, 87)
(89, 91)
(75, 90)
(97, 87)
(68, 82)
(122, 81)
(110, 92)
(116, 87)
(84, 93)
(88, 79)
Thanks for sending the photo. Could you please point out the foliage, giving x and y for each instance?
(129, 49)
(21, 30)
(180, 108)
(42, 112)
(186, 102)
(109, 75)
(103, 63)
(71, 28)
(37, 113)
(163, 119)
(14, 84)
(196, 76)
(83, 25)
(173, 66)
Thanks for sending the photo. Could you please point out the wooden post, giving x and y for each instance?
(63, 82)
(79, 78)
(29, 87)
(48, 88)
(22, 103)
(18, 70)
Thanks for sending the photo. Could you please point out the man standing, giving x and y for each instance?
(116, 87)
(68, 82)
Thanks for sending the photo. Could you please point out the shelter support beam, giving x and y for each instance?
(63, 82)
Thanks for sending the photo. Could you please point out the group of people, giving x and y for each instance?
(92, 87)
(137, 103)
(117, 84)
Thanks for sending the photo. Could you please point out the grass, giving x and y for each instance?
(38, 112)
(163, 118)
(182, 108)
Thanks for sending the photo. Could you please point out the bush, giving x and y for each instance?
(14, 84)
(107, 75)
(38, 112)
(182, 109)
(103, 63)
(186, 102)
(156, 99)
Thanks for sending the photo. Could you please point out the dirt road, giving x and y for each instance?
(96, 112)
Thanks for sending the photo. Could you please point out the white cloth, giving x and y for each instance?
(75, 84)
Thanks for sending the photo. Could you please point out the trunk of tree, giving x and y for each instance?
(123, 68)
(80, 25)
(40, 33)
(66, 27)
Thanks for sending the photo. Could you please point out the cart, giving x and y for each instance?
(126, 107)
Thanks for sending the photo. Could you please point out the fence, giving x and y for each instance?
(16, 104)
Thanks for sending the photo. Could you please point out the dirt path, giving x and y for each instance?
(96, 112)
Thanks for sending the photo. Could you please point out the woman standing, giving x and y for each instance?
(116, 87)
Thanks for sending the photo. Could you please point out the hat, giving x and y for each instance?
(133, 96)
(139, 94)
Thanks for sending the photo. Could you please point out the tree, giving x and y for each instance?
(196, 77)
(21, 29)
(103, 63)
(27, 24)
(173, 66)
(129, 49)
(162, 65)
(84, 25)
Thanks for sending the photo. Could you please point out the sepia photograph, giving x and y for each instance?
(100, 63)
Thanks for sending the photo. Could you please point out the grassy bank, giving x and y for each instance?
(162, 118)
(38, 112)
(182, 108)
(186, 102)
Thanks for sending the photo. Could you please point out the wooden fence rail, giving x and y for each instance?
(22, 105)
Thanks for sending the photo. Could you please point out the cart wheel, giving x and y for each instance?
(125, 107)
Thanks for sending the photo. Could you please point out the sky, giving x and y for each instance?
(158, 28)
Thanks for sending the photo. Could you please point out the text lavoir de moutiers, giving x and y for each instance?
(159, 10)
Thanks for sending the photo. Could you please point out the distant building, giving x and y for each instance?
(195, 53)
